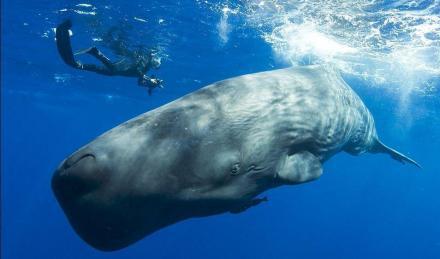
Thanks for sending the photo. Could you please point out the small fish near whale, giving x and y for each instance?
(212, 151)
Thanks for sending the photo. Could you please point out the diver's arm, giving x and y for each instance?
(150, 82)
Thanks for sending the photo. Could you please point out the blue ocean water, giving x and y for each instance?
(368, 206)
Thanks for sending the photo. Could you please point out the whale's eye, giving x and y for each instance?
(235, 169)
(254, 168)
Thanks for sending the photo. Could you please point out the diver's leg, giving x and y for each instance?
(95, 68)
(101, 57)
(84, 51)
(65, 50)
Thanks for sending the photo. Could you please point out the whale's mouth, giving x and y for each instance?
(70, 162)
(76, 176)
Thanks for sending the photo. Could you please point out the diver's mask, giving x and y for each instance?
(155, 61)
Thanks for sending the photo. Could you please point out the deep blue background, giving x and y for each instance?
(362, 207)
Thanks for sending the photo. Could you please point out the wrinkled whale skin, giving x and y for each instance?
(210, 152)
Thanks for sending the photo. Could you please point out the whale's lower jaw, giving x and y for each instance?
(118, 224)
(110, 228)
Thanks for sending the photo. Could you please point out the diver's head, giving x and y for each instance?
(155, 61)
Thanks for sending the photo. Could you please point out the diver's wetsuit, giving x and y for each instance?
(135, 66)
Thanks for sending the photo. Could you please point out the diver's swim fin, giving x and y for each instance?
(382, 148)
(63, 43)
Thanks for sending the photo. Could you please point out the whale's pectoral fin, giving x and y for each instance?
(299, 168)
(247, 205)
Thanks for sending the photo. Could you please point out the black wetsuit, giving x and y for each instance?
(135, 65)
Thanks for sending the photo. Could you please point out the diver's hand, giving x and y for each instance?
(156, 82)
(150, 83)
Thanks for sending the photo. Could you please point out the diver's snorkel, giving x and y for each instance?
(155, 61)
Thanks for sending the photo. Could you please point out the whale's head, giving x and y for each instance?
(147, 174)
(95, 207)
(104, 194)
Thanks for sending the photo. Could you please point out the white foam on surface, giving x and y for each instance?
(84, 5)
(223, 26)
(387, 43)
(139, 19)
(85, 12)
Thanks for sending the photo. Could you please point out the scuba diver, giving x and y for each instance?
(136, 64)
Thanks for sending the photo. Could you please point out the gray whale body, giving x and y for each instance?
(212, 151)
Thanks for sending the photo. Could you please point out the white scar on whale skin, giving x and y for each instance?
(212, 151)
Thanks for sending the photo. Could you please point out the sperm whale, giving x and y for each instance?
(212, 151)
